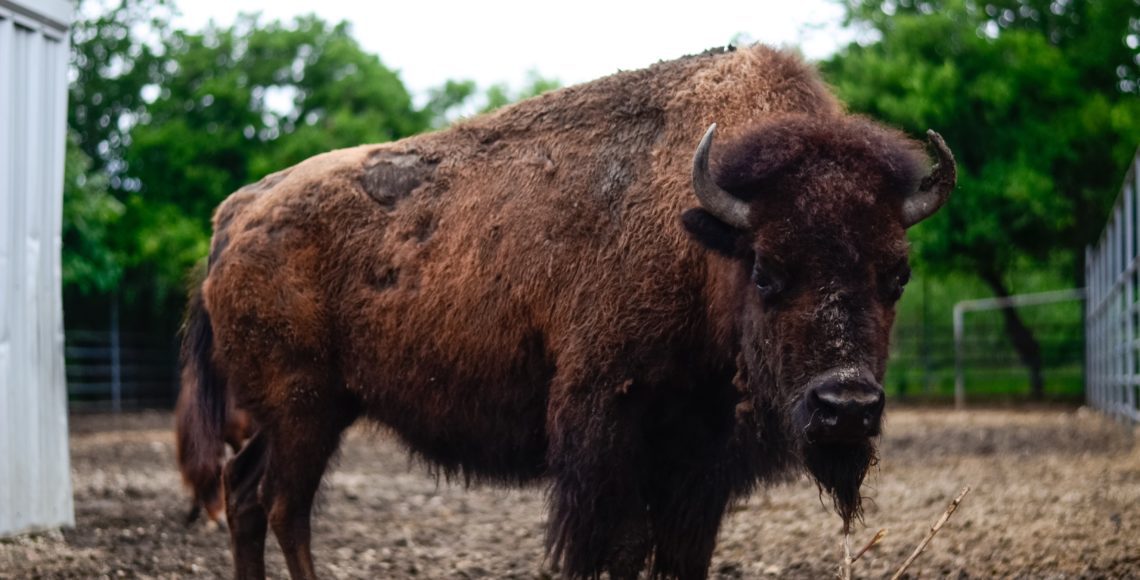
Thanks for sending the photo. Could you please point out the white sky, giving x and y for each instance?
(500, 40)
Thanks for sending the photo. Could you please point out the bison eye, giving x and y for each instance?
(894, 288)
(766, 282)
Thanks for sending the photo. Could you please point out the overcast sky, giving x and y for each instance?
(495, 41)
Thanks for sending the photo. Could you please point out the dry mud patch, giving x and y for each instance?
(1056, 495)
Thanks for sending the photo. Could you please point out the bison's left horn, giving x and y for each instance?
(715, 200)
(935, 188)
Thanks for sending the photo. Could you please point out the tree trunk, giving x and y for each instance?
(1027, 347)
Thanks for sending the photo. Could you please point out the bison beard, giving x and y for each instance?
(839, 470)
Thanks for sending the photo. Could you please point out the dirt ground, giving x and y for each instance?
(1056, 494)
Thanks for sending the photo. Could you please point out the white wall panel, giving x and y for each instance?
(7, 373)
(35, 483)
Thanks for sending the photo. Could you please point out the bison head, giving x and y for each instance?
(812, 213)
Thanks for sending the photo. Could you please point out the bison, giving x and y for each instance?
(563, 291)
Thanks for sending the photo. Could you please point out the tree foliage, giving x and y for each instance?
(501, 94)
(111, 62)
(454, 99)
(1038, 100)
(92, 264)
(168, 122)
(236, 104)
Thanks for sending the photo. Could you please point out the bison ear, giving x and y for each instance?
(712, 233)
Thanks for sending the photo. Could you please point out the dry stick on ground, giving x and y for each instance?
(879, 535)
(845, 572)
(933, 530)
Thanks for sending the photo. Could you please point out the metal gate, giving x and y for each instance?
(1113, 313)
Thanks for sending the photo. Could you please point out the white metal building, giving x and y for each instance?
(35, 481)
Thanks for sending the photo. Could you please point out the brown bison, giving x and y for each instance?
(533, 295)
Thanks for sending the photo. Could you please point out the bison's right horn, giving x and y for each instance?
(715, 200)
(935, 188)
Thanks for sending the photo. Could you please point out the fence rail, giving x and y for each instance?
(129, 370)
(924, 356)
(921, 363)
(1112, 316)
(982, 304)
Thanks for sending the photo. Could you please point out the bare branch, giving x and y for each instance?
(879, 535)
(933, 530)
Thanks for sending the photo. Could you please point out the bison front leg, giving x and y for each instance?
(599, 518)
(699, 463)
(686, 508)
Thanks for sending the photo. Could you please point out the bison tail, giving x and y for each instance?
(200, 416)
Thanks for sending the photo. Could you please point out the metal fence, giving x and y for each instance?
(990, 304)
(141, 370)
(115, 371)
(1113, 312)
(926, 363)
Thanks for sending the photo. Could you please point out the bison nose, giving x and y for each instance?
(844, 409)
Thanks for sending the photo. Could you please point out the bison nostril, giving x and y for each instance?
(848, 396)
(842, 408)
(829, 397)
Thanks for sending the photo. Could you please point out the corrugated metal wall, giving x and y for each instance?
(35, 481)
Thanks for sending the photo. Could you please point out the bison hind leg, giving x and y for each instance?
(215, 513)
(302, 443)
(246, 518)
(194, 513)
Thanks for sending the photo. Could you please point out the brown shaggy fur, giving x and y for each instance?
(517, 298)
(204, 480)
(199, 456)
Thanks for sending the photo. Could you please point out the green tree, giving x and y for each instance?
(1038, 99)
(454, 99)
(168, 122)
(176, 120)
(91, 262)
(111, 61)
(213, 125)
(446, 101)
(501, 94)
